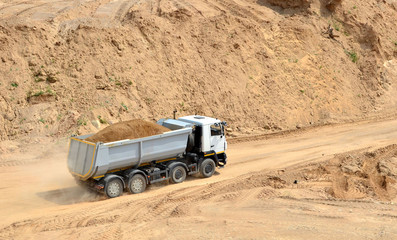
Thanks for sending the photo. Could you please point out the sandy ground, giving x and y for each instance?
(253, 197)
(261, 65)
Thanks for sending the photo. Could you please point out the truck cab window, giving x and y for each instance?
(216, 130)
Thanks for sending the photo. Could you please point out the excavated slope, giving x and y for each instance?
(70, 67)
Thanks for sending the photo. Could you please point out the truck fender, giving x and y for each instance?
(174, 164)
(214, 157)
(107, 178)
(132, 172)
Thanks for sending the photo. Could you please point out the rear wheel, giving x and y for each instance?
(137, 184)
(178, 174)
(207, 168)
(114, 188)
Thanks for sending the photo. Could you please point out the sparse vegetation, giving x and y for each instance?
(41, 120)
(302, 91)
(39, 93)
(14, 84)
(82, 122)
(124, 106)
(336, 27)
(101, 120)
(51, 92)
(353, 55)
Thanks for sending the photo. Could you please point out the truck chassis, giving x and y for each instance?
(136, 180)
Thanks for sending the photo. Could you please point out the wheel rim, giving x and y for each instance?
(114, 189)
(208, 168)
(178, 174)
(137, 185)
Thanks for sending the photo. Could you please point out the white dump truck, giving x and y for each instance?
(194, 144)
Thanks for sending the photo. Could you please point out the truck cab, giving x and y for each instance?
(207, 139)
(209, 133)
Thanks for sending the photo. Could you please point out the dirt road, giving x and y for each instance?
(40, 200)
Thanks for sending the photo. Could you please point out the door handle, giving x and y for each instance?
(212, 145)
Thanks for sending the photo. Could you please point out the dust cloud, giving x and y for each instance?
(39, 180)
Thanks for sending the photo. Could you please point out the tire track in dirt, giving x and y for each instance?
(37, 6)
(242, 11)
(124, 9)
(82, 12)
(13, 5)
(183, 200)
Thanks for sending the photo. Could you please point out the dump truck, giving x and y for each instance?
(194, 145)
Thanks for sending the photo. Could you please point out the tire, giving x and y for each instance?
(178, 174)
(207, 168)
(137, 184)
(114, 188)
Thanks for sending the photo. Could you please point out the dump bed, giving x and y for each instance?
(93, 160)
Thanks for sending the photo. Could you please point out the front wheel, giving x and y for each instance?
(207, 168)
(137, 184)
(114, 188)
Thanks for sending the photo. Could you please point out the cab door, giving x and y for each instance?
(217, 138)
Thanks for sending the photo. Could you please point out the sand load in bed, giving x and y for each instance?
(132, 129)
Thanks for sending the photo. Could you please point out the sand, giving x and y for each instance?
(254, 197)
(262, 66)
(132, 129)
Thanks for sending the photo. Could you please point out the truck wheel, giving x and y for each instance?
(137, 184)
(207, 168)
(114, 188)
(178, 174)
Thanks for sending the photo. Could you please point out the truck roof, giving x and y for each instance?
(199, 120)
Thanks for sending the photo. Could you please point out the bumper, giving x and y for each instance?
(222, 162)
